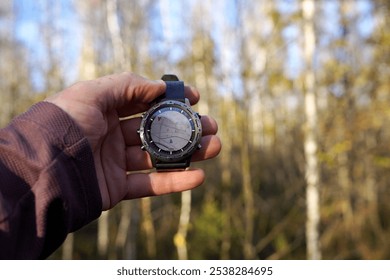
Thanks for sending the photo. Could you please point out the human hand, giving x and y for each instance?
(97, 107)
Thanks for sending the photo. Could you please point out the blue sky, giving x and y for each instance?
(30, 19)
(31, 16)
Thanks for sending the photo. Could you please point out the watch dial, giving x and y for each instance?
(170, 129)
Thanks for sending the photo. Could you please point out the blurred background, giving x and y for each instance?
(300, 89)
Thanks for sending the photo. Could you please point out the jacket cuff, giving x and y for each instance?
(72, 166)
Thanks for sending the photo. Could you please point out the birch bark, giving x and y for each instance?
(310, 142)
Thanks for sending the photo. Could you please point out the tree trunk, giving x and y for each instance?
(67, 247)
(148, 227)
(123, 228)
(180, 239)
(115, 34)
(227, 117)
(310, 141)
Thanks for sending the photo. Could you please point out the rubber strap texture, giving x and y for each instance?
(171, 166)
(175, 88)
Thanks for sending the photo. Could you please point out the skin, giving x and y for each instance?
(97, 106)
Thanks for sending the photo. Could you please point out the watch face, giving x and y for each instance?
(170, 131)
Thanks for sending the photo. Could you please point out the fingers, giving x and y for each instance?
(132, 108)
(134, 93)
(151, 184)
(127, 93)
(136, 159)
(211, 146)
(127, 87)
(192, 94)
(129, 129)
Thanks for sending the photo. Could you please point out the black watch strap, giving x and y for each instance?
(175, 88)
(170, 166)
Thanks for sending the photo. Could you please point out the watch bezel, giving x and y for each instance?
(170, 156)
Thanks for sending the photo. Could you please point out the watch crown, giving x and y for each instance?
(199, 147)
(138, 131)
(143, 148)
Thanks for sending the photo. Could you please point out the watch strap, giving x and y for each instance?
(171, 166)
(174, 90)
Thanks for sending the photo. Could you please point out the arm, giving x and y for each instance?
(48, 184)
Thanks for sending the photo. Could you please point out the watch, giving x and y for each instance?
(170, 130)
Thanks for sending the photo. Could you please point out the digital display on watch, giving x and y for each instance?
(170, 129)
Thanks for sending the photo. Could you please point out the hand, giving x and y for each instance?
(97, 105)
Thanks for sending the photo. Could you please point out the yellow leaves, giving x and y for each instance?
(329, 157)
(382, 161)
(179, 240)
(335, 70)
(281, 242)
(208, 231)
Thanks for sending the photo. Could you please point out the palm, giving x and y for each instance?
(110, 162)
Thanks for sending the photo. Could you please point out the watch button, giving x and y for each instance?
(199, 147)
(143, 148)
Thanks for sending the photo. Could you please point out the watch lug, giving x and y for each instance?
(169, 77)
(187, 102)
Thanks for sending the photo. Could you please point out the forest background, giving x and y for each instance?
(300, 89)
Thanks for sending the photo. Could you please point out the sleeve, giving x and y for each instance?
(48, 183)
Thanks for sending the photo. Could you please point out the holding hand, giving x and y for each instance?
(97, 107)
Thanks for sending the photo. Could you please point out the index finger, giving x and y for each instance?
(131, 94)
(118, 91)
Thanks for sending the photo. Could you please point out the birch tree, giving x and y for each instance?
(310, 141)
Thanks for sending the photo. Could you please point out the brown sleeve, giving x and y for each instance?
(48, 184)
